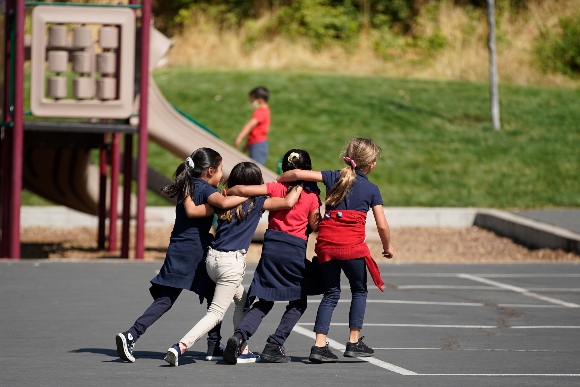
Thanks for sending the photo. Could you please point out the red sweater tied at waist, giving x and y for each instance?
(341, 236)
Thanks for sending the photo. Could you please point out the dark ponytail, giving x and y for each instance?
(183, 184)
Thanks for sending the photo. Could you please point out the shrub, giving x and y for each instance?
(558, 50)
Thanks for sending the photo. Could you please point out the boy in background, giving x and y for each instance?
(257, 127)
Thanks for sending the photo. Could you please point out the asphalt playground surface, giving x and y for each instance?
(435, 325)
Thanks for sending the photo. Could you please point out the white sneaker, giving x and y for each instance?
(249, 357)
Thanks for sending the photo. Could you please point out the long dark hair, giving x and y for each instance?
(183, 184)
(244, 173)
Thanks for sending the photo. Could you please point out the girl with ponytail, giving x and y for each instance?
(341, 245)
(194, 187)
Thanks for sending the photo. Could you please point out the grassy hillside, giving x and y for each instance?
(438, 146)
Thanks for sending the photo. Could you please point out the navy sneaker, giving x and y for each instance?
(172, 356)
(125, 344)
(233, 349)
(358, 349)
(249, 357)
(215, 352)
(273, 353)
(322, 355)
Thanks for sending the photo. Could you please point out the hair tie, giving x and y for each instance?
(350, 161)
(293, 156)
(189, 162)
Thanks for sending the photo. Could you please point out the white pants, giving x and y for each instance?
(227, 270)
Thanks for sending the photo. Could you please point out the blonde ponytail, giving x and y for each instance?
(358, 155)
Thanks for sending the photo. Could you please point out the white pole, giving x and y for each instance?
(494, 92)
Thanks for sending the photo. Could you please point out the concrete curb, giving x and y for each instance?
(526, 231)
(523, 230)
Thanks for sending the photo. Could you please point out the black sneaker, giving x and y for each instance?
(233, 349)
(125, 344)
(216, 352)
(322, 355)
(273, 353)
(358, 349)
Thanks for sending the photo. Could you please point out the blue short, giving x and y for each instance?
(259, 152)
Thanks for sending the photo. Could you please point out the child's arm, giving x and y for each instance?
(276, 204)
(194, 211)
(299, 174)
(384, 230)
(314, 219)
(248, 190)
(246, 130)
(224, 202)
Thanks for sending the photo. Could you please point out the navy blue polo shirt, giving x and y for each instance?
(362, 195)
(237, 235)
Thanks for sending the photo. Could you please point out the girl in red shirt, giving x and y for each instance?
(340, 245)
(283, 271)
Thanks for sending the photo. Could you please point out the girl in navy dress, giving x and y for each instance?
(194, 185)
(341, 242)
(282, 273)
(226, 257)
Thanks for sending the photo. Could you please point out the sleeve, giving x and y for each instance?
(377, 199)
(314, 202)
(206, 191)
(260, 115)
(328, 178)
(259, 202)
(276, 190)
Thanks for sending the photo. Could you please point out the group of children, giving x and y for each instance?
(283, 273)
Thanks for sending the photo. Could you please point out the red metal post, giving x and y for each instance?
(6, 140)
(18, 132)
(143, 135)
(127, 177)
(102, 194)
(6, 179)
(114, 193)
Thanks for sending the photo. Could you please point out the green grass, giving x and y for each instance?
(438, 145)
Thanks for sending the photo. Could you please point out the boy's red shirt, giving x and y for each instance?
(341, 236)
(260, 131)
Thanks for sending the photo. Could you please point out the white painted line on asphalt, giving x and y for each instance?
(443, 303)
(416, 325)
(459, 326)
(545, 327)
(550, 375)
(444, 287)
(336, 345)
(517, 289)
(475, 350)
(409, 302)
(462, 287)
(529, 306)
(493, 275)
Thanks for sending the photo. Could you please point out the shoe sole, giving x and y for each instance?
(358, 354)
(273, 359)
(122, 349)
(172, 357)
(232, 346)
(321, 359)
(249, 360)
(208, 358)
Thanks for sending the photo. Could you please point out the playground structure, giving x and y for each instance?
(88, 64)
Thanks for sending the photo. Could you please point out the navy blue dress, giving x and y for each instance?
(284, 273)
(184, 265)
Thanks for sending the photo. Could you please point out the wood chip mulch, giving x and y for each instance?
(426, 245)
